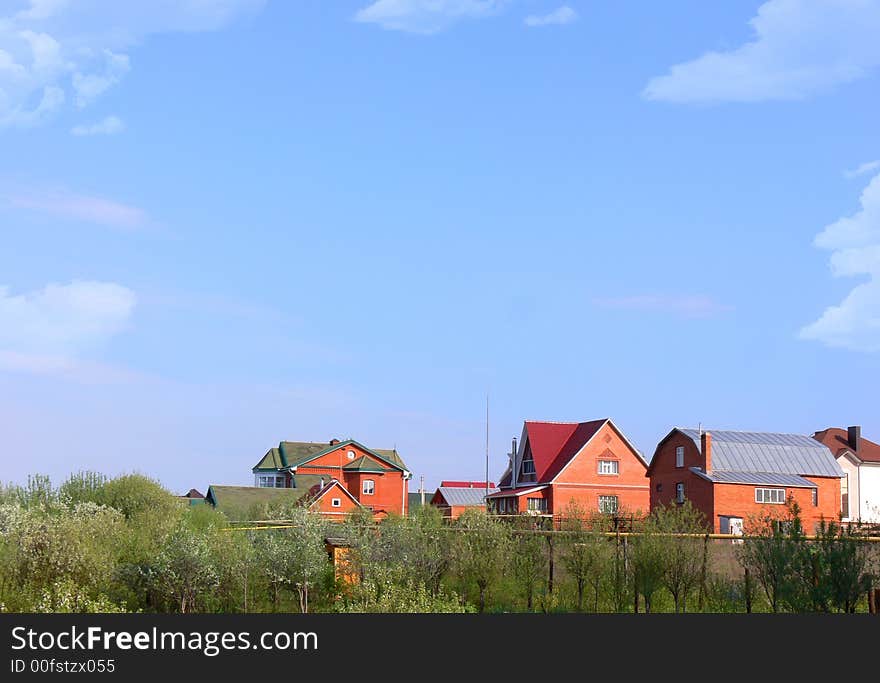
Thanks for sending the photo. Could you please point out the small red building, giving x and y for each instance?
(452, 498)
(590, 463)
(373, 478)
(732, 477)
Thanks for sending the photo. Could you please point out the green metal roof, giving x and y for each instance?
(365, 464)
(296, 453)
(239, 502)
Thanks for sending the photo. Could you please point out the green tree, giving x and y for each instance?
(586, 552)
(185, 570)
(529, 559)
(480, 550)
(648, 562)
(680, 528)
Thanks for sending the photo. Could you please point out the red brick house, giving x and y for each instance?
(732, 477)
(452, 498)
(555, 463)
(376, 479)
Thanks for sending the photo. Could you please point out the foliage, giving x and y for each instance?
(682, 549)
(586, 552)
(479, 550)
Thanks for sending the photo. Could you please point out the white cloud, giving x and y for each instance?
(84, 208)
(800, 47)
(855, 245)
(426, 16)
(867, 167)
(559, 16)
(55, 51)
(109, 125)
(47, 330)
(687, 306)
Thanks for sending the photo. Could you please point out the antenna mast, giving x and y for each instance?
(486, 500)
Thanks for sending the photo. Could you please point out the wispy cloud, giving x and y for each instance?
(800, 48)
(426, 16)
(560, 16)
(109, 125)
(686, 306)
(854, 242)
(867, 167)
(57, 51)
(45, 331)
(81, 207)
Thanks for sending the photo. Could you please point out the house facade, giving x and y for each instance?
(734, 477)
(373, 478)
(592, 464)
(452, 498)
(860, 460)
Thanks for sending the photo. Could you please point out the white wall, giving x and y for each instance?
(869, 492)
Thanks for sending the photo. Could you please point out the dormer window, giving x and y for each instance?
(528, 468)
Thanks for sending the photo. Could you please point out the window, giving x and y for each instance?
(815, 497)
(528, 466)
(679, 492)
(844, 496)
(537, 504)
(270, 481)
(350, 455)
(336, 502)
(679, 456)
(608, 504)
(609, 467)
(369, 487)
(774, 496)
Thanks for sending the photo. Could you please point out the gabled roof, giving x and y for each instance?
(768, 452)
(467, 484)
(837, 440)
(296, 453)
(554, 444)
(364, 464)
(519, 491)
(317, 492)
(457, 495)
(237, 502)
(192, 493)
(754, 478)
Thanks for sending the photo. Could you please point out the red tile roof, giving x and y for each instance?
(466, 484)
(554, 444)
(837, 440)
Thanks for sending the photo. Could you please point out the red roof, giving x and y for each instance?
(518, 491)
(838, 441)
(554, 444)
(466, 484)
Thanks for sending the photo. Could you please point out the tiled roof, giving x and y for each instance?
(365, 464)
(239, 502)
(295, 453)
(837, 440)
(768, 452)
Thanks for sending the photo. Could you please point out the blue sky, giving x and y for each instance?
(231, 222)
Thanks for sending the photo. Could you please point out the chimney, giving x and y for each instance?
(706, 449)
(513, 464)
(422, 489)
(854, 438)
(333, 442)
(322, 484)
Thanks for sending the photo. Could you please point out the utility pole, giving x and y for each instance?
(486, 499)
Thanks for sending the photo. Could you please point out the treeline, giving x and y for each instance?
(127, 545)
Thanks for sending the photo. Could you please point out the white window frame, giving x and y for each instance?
(604, 502)
(609, 467)
(270, 481)
(336, 502)
(679, 456)
(372, 487)
(531, 467)
(537, 504)
(679, 492)
(769, 496)
(814, 497)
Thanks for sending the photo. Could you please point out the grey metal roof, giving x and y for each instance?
(769, 453)
(755, 478)
(460, 495)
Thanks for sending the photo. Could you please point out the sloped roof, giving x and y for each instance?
(296, 453)
(768, 452)
(467, 484)
(457, 495)
(754, 478)
(192, 493)
(365, 464)
(519, 490)
(837, 440)
(238, 502)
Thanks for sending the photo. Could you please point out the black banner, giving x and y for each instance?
(396, 647)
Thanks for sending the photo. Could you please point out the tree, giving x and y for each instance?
(586, 552)
(843, 564)
(479, 550)
(185, 570)
(773, 552)
(529, 559)
(680, 527)
(648, 563)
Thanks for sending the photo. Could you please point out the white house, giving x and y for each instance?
(860, 460)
